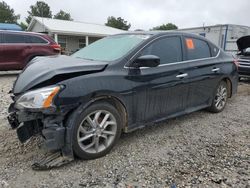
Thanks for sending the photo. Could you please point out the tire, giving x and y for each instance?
(220, 98)
(92, 138)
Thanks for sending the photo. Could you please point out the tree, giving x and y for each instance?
(23, 26)
(118, 23)
(168, 26)
(63, 16)
(41, 9)
(7, 14)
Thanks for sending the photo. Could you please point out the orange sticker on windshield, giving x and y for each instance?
(190, 44)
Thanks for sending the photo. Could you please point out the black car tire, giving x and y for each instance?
(81, 118)
(214, 107)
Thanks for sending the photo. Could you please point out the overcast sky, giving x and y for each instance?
(145, 14)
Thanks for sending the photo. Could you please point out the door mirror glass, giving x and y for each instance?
(147, 61)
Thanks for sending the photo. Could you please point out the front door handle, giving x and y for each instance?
(215, 69)
(182, 75)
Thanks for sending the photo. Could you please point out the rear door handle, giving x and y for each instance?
(215, 69)
(182, 75)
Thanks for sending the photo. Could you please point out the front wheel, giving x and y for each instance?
(220, 98)
(96, 131)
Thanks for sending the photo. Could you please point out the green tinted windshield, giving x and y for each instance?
(110, 48)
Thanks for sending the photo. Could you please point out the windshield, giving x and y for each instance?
(110, 48)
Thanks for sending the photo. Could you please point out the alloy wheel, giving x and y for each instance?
(97, 131)
(221, 97)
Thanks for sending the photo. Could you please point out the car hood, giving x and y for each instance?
(243, 42)
(42, 69)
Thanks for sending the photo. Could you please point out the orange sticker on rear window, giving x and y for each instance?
(190, 44)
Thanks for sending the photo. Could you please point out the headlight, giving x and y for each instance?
(37, 99)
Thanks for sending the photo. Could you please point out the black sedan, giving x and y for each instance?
(244, 56)
(81, 104)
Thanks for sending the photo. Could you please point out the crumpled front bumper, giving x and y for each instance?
(12, 117)
(13, 120)
(28, 124)
(51, 128)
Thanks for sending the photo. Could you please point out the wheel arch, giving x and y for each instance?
(114, 101)
(118, 104)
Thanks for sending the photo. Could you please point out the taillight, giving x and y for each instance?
(56, 47)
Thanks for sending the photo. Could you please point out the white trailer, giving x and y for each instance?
(224, 36)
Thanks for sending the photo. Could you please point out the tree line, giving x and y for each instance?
(42, 9)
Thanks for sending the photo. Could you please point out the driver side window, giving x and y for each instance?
(168, 49)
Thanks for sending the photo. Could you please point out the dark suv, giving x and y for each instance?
(18, 48)
(244, 56)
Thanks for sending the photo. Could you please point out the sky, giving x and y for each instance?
(145, 14)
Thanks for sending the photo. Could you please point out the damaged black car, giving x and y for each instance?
(243, 44)
(81, 104)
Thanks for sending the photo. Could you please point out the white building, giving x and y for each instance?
(71, 35)
(224, 36)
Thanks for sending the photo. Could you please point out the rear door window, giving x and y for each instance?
(197, 49)
(14, 38)
(168, 49)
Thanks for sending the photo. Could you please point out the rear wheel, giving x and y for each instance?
(220, 98)
(96, 131)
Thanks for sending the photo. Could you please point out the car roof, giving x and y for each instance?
(164, 33)
(22, 32)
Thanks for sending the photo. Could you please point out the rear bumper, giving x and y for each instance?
(244, 68)
(244, 71)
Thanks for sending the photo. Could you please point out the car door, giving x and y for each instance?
(2, 54)
(13, 48)
(1, 51)
(162, 90)
(204, 72)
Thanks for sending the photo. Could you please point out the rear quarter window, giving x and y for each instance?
(37, 40)
(197, 49)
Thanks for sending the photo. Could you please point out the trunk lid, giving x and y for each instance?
(243, 43)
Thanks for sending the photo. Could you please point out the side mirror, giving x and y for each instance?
(147, 61)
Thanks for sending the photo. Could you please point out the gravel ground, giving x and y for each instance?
(196, 150)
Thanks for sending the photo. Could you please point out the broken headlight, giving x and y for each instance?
(38, 99)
